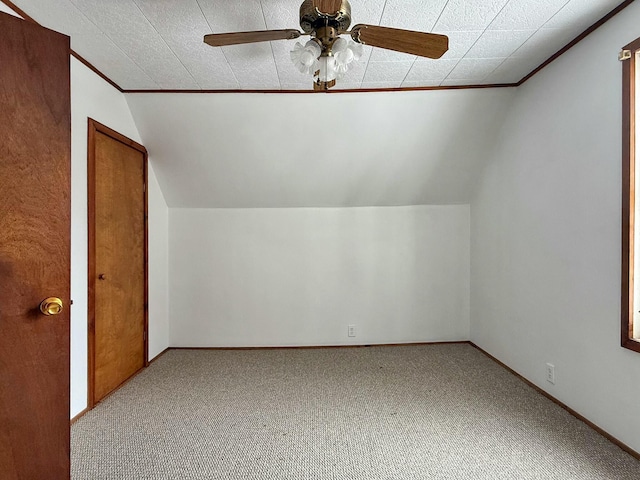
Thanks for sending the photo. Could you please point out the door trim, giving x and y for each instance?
(93, 128)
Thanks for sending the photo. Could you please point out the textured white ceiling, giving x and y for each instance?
(157, 44)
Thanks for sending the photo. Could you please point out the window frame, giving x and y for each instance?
(628, 195)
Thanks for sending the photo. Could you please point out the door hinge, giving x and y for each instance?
(144, 188)
(624, 55)
(144, 336)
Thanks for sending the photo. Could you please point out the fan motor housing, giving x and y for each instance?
(311, 19)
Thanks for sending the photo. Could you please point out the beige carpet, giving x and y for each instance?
(409, 412)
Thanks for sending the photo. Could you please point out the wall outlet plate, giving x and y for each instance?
(551, 373)
(351, 331)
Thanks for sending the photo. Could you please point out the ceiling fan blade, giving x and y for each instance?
(236, 38)
(423, 44)
(328, 7)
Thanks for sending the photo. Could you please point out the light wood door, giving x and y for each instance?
(35, 233)
(118, 259)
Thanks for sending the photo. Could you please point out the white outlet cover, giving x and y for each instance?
(551, 373)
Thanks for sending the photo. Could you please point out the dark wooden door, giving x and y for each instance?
(118, 258)
(35, 231)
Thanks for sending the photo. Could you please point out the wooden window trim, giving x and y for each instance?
(628, 195)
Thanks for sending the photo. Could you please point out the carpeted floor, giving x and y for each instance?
(408, 412)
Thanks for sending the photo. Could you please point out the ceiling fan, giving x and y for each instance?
(327, 56)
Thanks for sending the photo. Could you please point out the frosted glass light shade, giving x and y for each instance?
(327, 67)
(332, 64)
(345, 52)
(357, 49)
(305, 57)
(339, 45)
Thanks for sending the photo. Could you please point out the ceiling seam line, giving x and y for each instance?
(384, 7)
(477, 39)
(409, 71)
(273, 55)
(226, 59)
(167, 45)
(539, 28)
(366, 68)
(440, 15)
(559, 10)
(432, 27)
(414, 60)
(511, 56)
(112, 41)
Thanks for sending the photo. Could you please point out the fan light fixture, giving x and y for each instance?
(328, 64)
(327, 56)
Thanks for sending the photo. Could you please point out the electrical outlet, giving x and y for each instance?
(551, 373)
(351, 331)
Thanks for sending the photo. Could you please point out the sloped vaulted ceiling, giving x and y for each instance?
(303, 150)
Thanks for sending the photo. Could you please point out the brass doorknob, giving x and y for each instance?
(51, 306)
(102, 276)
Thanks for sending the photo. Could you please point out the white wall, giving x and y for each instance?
(93, 97)
(273, 277)
(545, 248)
(232, 150)
(158, 268)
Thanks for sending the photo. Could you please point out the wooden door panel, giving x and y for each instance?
(35, 232)
(119, 263)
